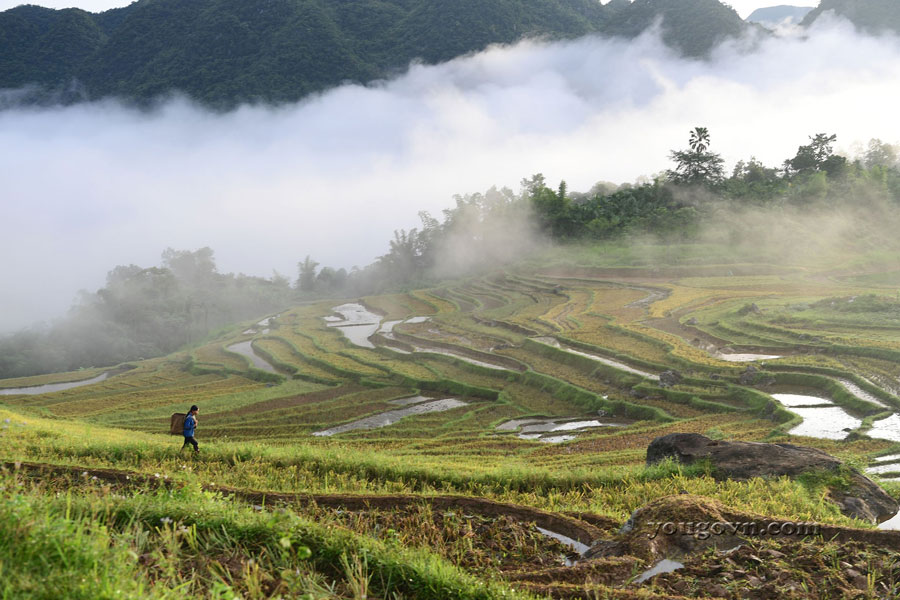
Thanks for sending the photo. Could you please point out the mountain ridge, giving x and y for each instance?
(225, 52)
(871, 16)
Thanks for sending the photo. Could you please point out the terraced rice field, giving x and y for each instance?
(555, 343)
(541, 387)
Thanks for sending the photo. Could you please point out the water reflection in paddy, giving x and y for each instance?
(737, 357)
(886, 429)
(51, 387)
(793, 400)
(246, 349)
(392, 416)
(357, 323)
(534, 428)
(825, 422)
(601, 359)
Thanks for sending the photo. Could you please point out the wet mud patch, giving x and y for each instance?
(745, 357)
(261, 327)
(482, 544)
(886, 429)
(653, 295)
(769, 569)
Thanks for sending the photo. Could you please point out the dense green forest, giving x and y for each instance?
(224, 52)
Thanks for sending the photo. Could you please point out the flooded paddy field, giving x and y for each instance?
(553, 431)
(246, 349)
(418, 407)
(49, 388)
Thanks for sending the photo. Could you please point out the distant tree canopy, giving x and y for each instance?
(143, 312)
(224, 52)
(815, 157)
(485, 230)
(306, 281)
(697, 166)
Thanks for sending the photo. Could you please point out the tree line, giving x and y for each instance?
(145, 312)
(674, 206)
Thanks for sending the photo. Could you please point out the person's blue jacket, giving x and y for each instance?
(189, 424)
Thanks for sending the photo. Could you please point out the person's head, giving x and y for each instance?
(194, 409)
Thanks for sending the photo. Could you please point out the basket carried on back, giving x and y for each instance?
(176, 426)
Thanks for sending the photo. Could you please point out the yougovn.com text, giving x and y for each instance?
(704, 529)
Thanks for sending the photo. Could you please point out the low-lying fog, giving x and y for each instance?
(91, 186)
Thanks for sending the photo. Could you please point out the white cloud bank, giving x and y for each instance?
(87, 187)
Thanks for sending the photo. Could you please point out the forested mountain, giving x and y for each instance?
(223, 52)
(874, 16)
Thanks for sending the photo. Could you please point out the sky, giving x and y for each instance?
(743, 7)
(92, 186)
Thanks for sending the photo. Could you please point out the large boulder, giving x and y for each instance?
(860, 497)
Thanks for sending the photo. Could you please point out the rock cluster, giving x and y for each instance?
(860, 498)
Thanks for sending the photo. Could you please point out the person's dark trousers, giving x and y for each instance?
(192, 442)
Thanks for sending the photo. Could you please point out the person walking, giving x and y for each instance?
(190, 423)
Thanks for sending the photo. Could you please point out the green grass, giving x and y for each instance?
(187, 542)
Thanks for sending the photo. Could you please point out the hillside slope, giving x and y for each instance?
(224, 52)
(873, 16)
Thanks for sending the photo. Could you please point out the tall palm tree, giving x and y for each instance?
(699, 140)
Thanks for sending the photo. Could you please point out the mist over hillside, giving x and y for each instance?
(98, 184)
